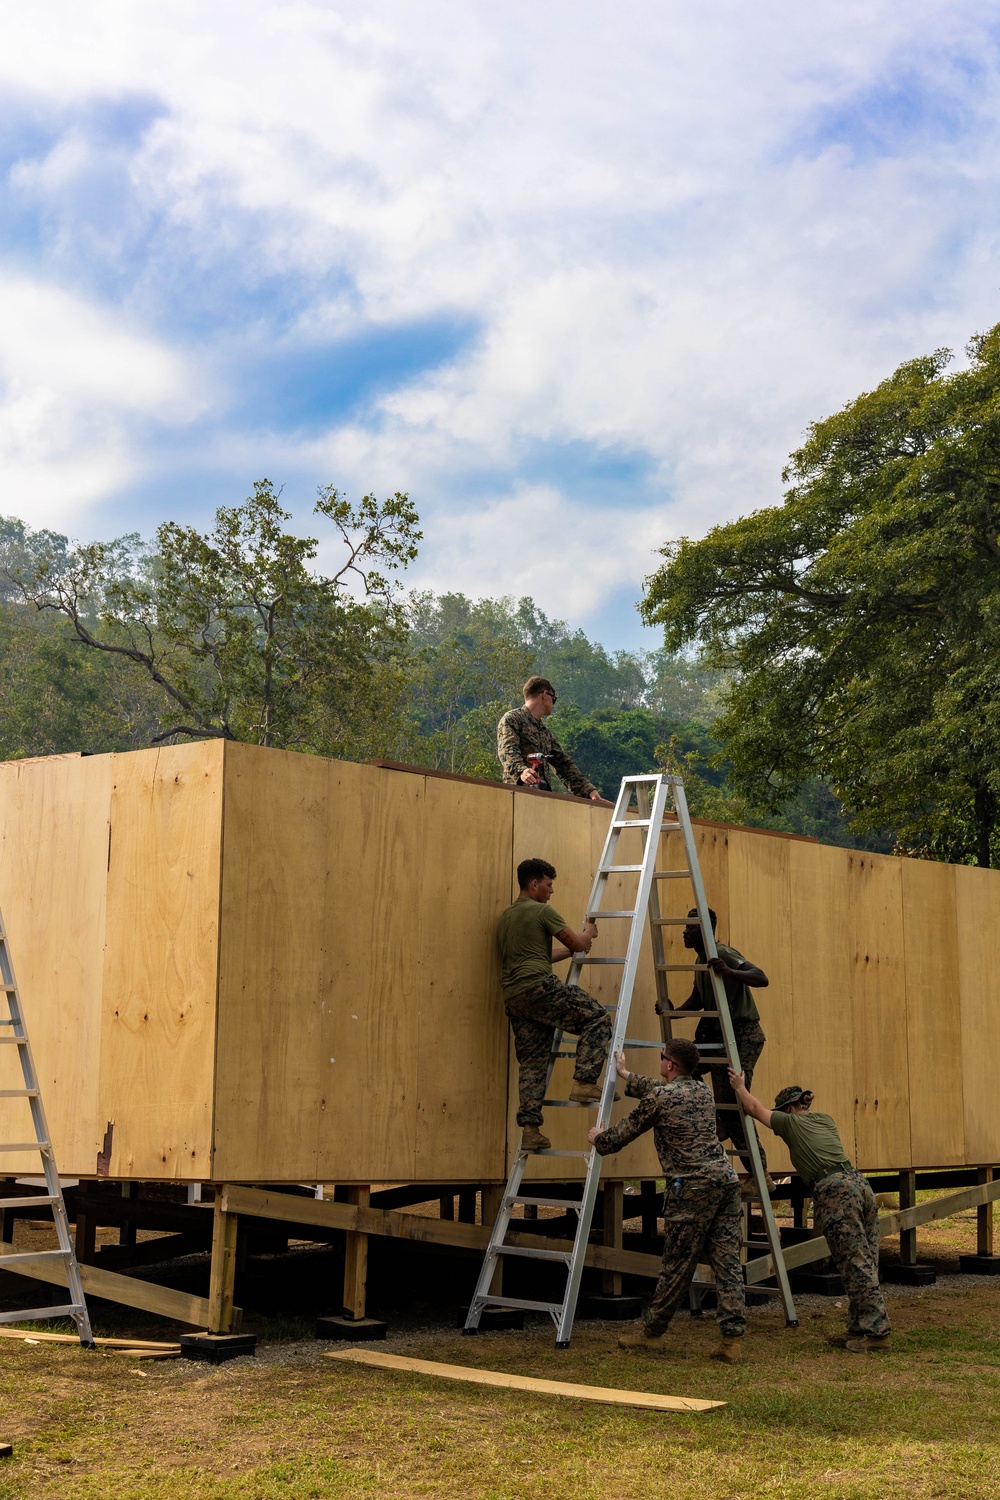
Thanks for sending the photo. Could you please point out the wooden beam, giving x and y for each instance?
(180, 1307)
(984, 1217)
(222, 1280)
(356, 1260)
(907, 1232)
(614, 1199)
(608, 1397)
(492, 1198)
(266, 1204)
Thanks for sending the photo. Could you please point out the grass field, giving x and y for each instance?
(802, 1419)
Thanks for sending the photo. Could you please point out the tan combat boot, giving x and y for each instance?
(866, 1343)
(586, 1093)
(730, 1350)
(533, 1140)
(639, 1338)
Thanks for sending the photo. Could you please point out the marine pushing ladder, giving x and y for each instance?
(14, 1034)
(660, 807)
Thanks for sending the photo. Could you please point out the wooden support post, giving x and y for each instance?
(984, 1217)
(492, 1199)
(798, 1204)
(447, 1202)
(126, 1234)
(356, 1260)
(222, 1279)
(614, 1193)
(907, 1237)
(649, 1208)
(467, 1205)
(86, 1238)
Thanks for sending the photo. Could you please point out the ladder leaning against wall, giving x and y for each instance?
(14, 1034)
(652, 805)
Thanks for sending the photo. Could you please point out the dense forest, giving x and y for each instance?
(122, 645)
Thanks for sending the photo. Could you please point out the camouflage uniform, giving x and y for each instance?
(535, 1015)
(844, 1209)
(750, 1041)
(701, 1207)
(520, 734)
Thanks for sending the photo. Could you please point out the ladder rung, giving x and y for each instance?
(551, 1151)
(41, 1146)
(683, 1015)
(683, 968)
(772, 1291)
(23, 1256)
(631, 1042)
(567, 1103)
(523, 1302)
(29, 1314)
(588, 960)
(26, 1202)
(564, 1255)
(592, 916)
(670, 874)
(631, 823)
(619, 869)
(676, 921)
(13, 1041)
(546, 1202)
(18, 1093)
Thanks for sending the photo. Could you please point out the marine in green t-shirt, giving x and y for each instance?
(813, 1143)
(538, 1003)
(844, 1207)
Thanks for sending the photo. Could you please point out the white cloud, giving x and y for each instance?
(70, 377)
(670, 250)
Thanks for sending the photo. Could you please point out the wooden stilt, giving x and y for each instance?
(222, 1281)
(611, 1281)
(356, 1260)
(447, 1202)
(126, 1234)
(649, 1207)
(984, 1217)
(467, 1205)
(907, 1237)
(86, 1239)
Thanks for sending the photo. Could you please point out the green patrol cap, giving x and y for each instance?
(789, 1095)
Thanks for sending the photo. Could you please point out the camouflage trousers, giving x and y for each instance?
(844, 1209)
(702, 1221)
(750, 1044)
(535, 1015)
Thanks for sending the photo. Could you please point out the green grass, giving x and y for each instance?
(801, 1420)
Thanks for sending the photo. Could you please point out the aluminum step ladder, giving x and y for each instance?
(14, 1034)
(660, 807)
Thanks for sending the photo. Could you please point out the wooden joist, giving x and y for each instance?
(646, 1400)
(164, 1301)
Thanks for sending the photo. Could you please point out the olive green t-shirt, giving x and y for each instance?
(813, 1144)
(524, 933)
(738, 995)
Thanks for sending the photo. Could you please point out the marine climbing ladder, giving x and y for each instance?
(14, 1034)
(652, 805)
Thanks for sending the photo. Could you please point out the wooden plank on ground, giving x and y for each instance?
(164, 1301)
(647, 1400)
(147, 1346)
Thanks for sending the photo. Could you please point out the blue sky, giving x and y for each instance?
(576, 276)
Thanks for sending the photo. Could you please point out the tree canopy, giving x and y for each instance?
(859, 621)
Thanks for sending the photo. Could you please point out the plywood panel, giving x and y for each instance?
(271, 1081)
(978, 911)
(878, 1012)
(760, 927)
(161, 961)
(462, 1044)
(933, 1015)
(377, 833)
(822, 1058)
(53, 869)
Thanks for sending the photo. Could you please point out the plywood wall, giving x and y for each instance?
(263, 966)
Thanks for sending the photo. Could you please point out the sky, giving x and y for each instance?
(577, 276)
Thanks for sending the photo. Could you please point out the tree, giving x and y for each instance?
(860, 620)
(242, 638)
